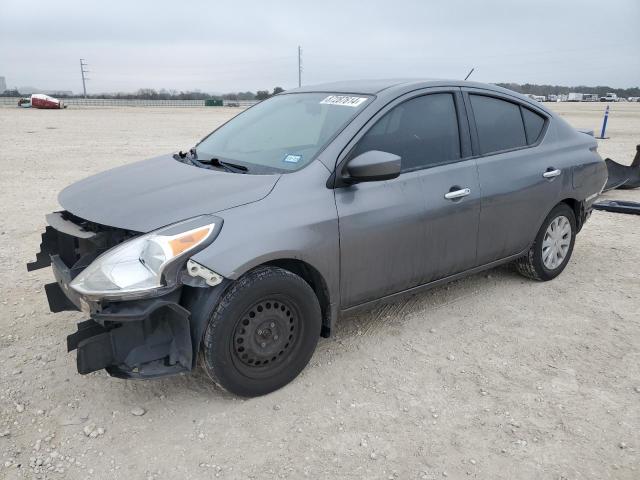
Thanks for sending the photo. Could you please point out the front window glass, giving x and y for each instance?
(283, 133)
(423, 131)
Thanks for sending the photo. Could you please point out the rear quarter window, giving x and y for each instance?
(533, 125)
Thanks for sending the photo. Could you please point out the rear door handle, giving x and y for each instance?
(457, 194)
(552, 173)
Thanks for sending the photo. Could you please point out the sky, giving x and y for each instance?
(223, 46)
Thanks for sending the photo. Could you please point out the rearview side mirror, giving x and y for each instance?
(372, 166)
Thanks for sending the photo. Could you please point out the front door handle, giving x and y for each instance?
(463, 192)
(551, 172)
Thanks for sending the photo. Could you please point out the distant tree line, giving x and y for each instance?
(163, 94)
(546, 90)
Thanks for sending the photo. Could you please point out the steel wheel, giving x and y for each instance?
(265, 336)
(262, 332)
(556, 242)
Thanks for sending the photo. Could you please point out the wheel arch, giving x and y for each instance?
(316, 281)
(578, 210)
(576, 206)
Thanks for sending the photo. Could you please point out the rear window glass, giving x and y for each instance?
(499, 124)
(533, 125)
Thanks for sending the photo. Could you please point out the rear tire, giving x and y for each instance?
(553, 246)
(262, 333)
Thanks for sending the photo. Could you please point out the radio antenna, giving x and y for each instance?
(469, 74)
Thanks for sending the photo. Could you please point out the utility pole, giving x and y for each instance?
(83, 64)
(299, 66)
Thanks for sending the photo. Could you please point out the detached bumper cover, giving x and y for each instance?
(618, 206)
(623, 176)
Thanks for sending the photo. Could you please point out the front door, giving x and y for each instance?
(422, 226)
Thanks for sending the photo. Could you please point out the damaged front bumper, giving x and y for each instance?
(142, 338)
(146, 338)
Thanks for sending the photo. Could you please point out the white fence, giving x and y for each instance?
(121, 102)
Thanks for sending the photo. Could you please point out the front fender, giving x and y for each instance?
(297, 221)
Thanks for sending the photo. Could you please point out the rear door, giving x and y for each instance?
(400, 233)
(519, 183)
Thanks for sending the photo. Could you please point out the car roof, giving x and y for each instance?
(354, 86)
(377, 86)
(399, 86)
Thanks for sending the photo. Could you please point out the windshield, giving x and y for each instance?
(283, 133)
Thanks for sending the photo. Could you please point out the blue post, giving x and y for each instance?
(604, 122)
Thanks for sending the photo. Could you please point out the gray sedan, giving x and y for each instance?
(248, 247)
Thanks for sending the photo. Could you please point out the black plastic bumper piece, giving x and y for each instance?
(86, 329)
(618, 206)
(47, 247)
(623, 176)
(62, 275)
(95, 353)
(137, 339)
(58, 300)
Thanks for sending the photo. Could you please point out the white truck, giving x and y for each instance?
(609, 97)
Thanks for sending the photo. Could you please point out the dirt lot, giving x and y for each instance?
(491, 377)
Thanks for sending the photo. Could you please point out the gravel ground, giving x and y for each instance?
(492, 377)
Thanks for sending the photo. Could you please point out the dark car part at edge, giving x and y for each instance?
(621, 176)
(618, 206)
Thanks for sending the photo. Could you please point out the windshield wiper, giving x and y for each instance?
(192, 158)
(216, 162)
(228, 166)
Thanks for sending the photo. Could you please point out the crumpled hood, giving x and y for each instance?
(150, 194)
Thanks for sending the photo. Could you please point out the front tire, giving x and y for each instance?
(553, 246)
(262, 333)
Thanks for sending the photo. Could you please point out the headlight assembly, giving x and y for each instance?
(146, 264)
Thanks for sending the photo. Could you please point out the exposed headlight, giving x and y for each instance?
(145, 264)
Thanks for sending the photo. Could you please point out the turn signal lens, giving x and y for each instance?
(188, 240)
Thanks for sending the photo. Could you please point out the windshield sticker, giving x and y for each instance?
(292, 158)
(344, 100)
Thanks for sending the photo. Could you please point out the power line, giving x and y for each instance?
(83, 71)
